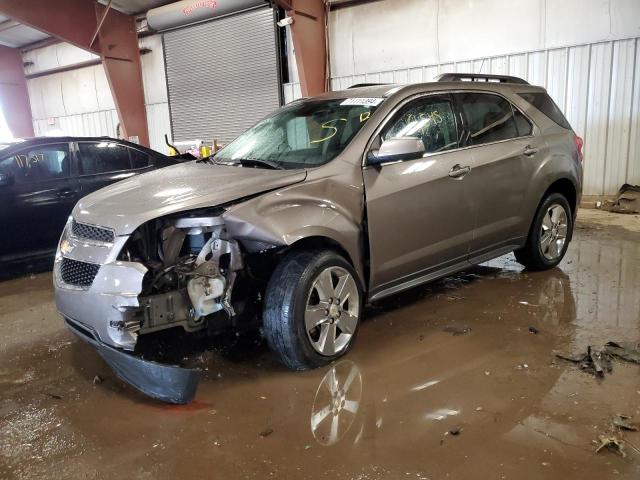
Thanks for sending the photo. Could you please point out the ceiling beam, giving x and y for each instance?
(77, 22)
(73, 21)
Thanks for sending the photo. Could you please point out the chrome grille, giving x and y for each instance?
(89, 232)
(79, 274)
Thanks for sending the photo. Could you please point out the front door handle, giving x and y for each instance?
(65, 193)
(529, 151)
(458, 171)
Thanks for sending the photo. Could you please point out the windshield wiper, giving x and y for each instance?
(206, 160)
(260, 162)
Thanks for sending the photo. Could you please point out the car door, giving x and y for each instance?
(502, 154)
(102, 163)
(419, 213)
(38, 200)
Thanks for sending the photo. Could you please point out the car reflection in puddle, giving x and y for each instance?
(336, 403)
(425, 379)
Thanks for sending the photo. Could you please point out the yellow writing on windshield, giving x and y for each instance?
(329, 125)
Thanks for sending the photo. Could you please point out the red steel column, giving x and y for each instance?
(14, 99)
(309, 43)
(75, 22)
(120, 56)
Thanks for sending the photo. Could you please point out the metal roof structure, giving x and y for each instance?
(16, 35)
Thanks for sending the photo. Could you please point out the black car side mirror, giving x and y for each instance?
(5, 179)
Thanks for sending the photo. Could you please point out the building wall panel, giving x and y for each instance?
(619, 124)
(633, 167)
(597, 86)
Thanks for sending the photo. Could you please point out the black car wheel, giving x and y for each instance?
(549, 235)
(312, 308)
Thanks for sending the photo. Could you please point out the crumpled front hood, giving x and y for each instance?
(126, 205)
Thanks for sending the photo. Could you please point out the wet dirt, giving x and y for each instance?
(411, 400)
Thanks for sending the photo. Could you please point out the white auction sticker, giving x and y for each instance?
(367, 102)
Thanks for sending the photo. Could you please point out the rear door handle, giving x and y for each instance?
(529, 151)
(458, 171)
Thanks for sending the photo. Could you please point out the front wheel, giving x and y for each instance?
(549, 235)
(312, 308)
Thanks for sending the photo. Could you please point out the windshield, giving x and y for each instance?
(304, 134)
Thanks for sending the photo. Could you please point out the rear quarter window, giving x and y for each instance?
(543, 102)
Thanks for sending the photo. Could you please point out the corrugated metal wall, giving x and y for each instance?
(596, 85)
(79, 102)
(84, 124)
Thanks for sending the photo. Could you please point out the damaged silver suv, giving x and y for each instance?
(328, 203)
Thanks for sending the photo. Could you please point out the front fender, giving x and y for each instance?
(319, 209)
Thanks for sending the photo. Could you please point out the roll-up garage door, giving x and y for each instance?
(222, 75)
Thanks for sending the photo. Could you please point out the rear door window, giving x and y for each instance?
(103, 157)
(47, 162)
(138, 159)
(489, 118)
(543, 102)
(429, 118)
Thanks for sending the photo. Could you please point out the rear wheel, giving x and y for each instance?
(312, 308)
(549, 235)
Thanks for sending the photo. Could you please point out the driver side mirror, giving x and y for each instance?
(398, 148)
(5, 179)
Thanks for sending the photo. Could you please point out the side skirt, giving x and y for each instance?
(474, 259)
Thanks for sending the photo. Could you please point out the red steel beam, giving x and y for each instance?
(75, 22)
(309, 43)
(120, 56)
(14, 99)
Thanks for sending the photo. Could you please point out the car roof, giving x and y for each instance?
(16, 146)
(389, 90)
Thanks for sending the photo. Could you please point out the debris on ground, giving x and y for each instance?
(456, 330)
(266, 432)
(623, 422)
(598, 361)
(455, 431)
(613, 444)
(53, 395)
(594, 361)
(627, 201)
(627, 351)
(534, 330)
(529, 304)
(97, 379)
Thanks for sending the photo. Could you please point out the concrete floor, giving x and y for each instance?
(520, 413)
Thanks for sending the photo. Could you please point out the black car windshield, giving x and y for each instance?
(304, 134)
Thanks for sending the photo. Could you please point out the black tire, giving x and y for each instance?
(286, 300)
(531, 255)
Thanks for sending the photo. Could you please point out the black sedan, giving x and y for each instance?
(41, 179)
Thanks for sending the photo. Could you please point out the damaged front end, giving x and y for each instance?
(179, 271)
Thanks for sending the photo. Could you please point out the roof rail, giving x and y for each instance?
(359, 85)
(479, 77)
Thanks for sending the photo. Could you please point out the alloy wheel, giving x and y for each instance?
(332, 311)
(553, 232)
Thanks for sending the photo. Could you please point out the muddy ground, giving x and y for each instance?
(445, 381)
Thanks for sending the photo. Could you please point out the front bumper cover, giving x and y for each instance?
(96, 314)
(167, 383)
